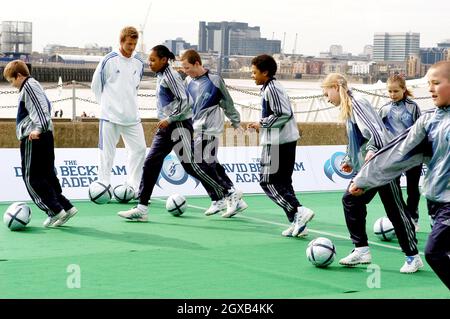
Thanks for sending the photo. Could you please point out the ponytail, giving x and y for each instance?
(163, 52)
(336, 79)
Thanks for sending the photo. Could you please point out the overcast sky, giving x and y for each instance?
(318, 23)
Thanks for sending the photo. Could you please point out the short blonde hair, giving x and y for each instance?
(443, 66)
(338, 80)
(13, 68)
(129, 31)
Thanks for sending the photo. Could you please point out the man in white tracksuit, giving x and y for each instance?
(115, 84)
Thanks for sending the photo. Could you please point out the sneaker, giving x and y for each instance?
(288, 232)
(301, 218)
(216, 207)
(235, 204)
(69, 214)
(412, 264)
(134, 214)
(356, 257)
(50, 221)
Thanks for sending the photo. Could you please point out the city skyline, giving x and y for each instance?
(318, 25)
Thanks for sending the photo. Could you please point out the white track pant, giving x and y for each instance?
(134, 140)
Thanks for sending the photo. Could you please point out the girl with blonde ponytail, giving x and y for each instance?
(366, 135)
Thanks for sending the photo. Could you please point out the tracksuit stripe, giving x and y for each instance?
(409, 231)
(36, 198)
(40, 112)
(220, 191)
(376, 135)
(175, 90)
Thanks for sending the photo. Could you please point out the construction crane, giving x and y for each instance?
(142, 28)
(294, 50)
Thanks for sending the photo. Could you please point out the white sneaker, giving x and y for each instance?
(69, 214)
(51, 221)
(235, 204)
(356, 257)
(301, 218)
(134, 214)
(412, 264)
(288, 232)
(216, 207)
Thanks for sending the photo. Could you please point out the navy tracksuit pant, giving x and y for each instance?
(205, 150)
(277, 166)
(437, 250)
(355, 210)
(39, 176)
(412, 189)
(177, 136)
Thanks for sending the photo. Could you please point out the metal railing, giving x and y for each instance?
(314, 103)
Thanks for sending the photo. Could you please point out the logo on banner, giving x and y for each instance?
(173, 172)
(333, 166)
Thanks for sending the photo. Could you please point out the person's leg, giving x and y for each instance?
(134, 140)
(355, 211)
(412, 189)
(210, 150)
(49, 167)
(395, 207)
(36, 165)
(109, 134)
(184, 146)
(161, 147)
(438, 244)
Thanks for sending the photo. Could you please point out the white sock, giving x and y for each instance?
(142, 208)
(364, 249)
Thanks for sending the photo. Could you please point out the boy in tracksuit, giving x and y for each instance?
(398, 115)
(210, 100)
(366, 135)
(34, 129)
(428, 141)
(278, 135)
(174, 131)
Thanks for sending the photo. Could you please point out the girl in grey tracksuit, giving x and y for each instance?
(366, 135)
(427, 141)
(398, 115)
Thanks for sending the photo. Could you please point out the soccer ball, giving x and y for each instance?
(17, 216)
(123, 193)
(176, 204)
(321, 252)
(383, 229)
(99, 193)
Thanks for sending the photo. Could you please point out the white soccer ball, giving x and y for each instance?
(176, 204)
(123, 193)
(383, 229)
(17, 216)
(321, 252)
(99, 193)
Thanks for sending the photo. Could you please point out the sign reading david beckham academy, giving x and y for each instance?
(316, 169)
